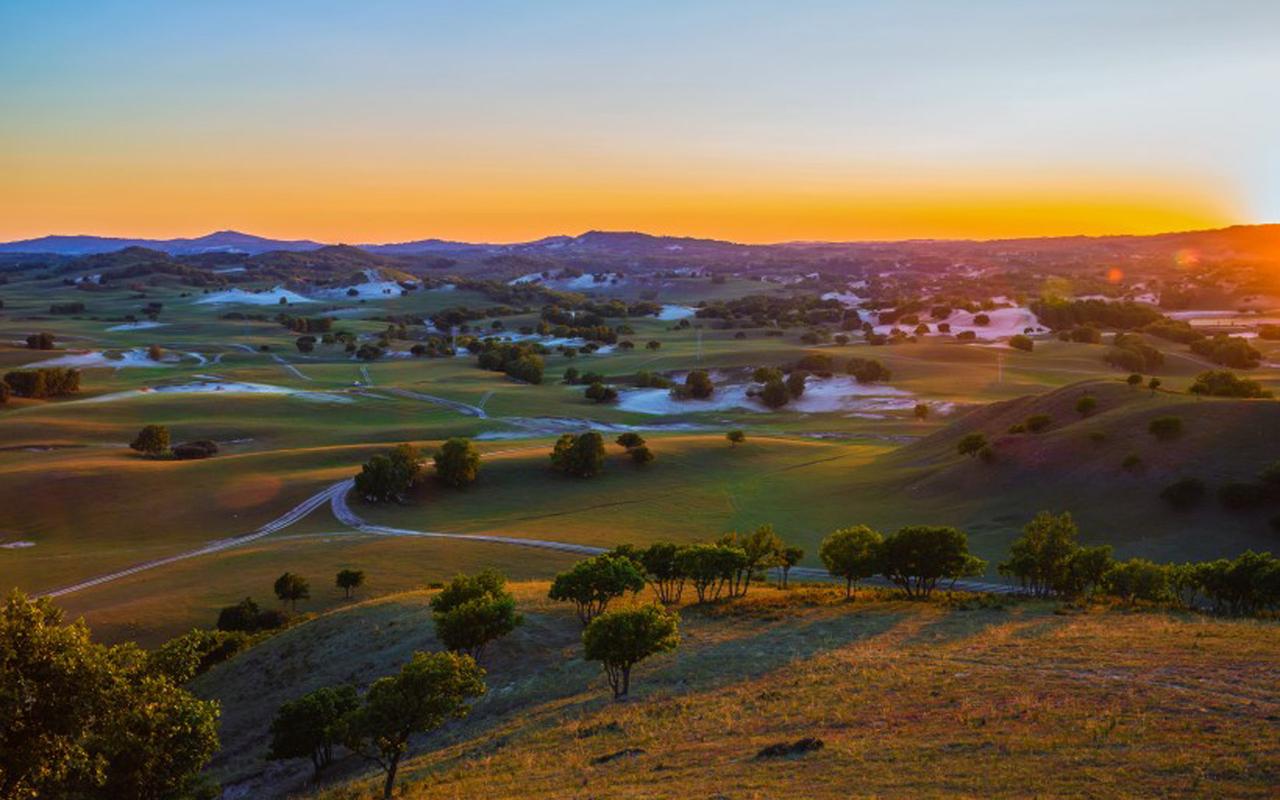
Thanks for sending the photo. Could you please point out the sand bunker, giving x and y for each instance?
(674, 312)
(270, 297)
(821, 396)
(136, 357)
(211, 385)
(138, 326)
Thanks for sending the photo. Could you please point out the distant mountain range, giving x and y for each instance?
(1252, 239)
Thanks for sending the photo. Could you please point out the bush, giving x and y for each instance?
(247, 617)
(1086, 405)
(697, 386)
(600, 393)
(40, 341)
(200, 448)
(1229, 351)
(971, 444)
(152, 440)
(1021, 342)
(1037, 423)
(1184, 494)
(1165, 428)
(735, 437)
(641, 455)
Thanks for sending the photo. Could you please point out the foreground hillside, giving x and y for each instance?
(949, 698)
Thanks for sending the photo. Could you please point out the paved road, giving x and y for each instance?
(279, 523)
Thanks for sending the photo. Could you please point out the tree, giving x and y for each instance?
(1086, 405)
(851, 553)
(795, 384)
(661, 562)
(600, 393)
(921, 411)
(581, 456)
(790, 556)
(653, 344)
(622, 639)
(735, 438)
(155, 352)
(473, 610)
(629, 440)
(697, 385)
(291, 588)
(311, 725)
(592, 583)
(775, 394)
(641, 455)
(1153, 385)
(85, 720)
(389, 477)
(349, 580)
(1224, 383)
(710, 568)
(457, 463)
(1138, 579)
(1165, 428)
(305, 344)
(971, 444)
(1041, 558)
(918, 556)
(40, 341)
(763, 548)
(1022, 342)
(430, 689)
(153, 440)
(1134, 380)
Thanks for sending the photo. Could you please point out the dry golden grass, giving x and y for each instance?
(910, 699)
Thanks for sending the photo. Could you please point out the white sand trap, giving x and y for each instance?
(370, 290)
(270, 297)
(136, 357)
(674, 312)
(847, 299)
(16, 545)
(138, 326)
(1005, 322)
(209, 385)
(820, 397)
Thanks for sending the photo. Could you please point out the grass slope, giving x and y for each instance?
(910, 699)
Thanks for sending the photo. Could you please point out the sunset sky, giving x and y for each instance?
(389, 121)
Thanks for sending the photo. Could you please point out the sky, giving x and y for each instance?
(393, 120)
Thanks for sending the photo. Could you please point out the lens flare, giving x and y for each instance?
(1115, 275)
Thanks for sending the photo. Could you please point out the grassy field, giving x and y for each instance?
(910, 699)
(81, 503)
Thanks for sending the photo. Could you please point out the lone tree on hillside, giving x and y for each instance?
(457, 463)
(921, 411)
(348, 580)
(291, 588)
(389, 477)
(581, 456)
(1153, 385)
(622, 639)
(153, 440)
(852, 553)
(473, 610)
(918, 556)
(311, 725)
(735, 438)
(641, 455)
(430, 689)
(1086, 405)
(1134, 380)
(592, 583)
(971, 444)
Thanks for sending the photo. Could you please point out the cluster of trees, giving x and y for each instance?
(697, 386)
(40, 341)
(1058, 314)
(1224, 383)
(389, 477)
(1047, 559)
(1187, 493)
(153, 441)
(428, 691)
(914, 559)
(775, 390)
(473, 610)
(90, 721)
(580, 455)
(1229, 351)
(868, 370)
(518, 360)
(43, 382)
(1130, 352)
